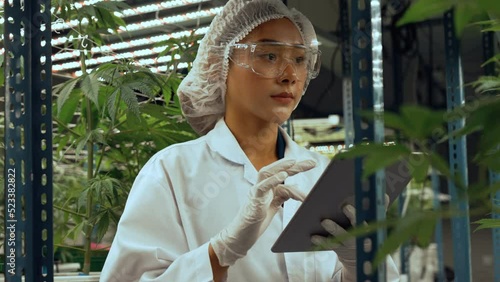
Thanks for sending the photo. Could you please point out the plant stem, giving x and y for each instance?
(60, 123)
(101, 155)
(69, 211)
(90, 174)
(68, 247)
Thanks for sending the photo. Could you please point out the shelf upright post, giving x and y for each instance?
(368, 94)
(28, 142)
(457, 154)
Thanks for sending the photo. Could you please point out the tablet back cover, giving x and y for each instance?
(334, 189)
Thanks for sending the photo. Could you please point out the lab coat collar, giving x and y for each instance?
(292, 148)
(222, 141)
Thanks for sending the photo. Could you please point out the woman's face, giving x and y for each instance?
(250, 96)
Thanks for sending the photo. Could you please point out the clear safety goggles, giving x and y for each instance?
(270, 59)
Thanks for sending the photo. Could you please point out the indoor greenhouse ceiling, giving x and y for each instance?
(150, 22)
(147, 23)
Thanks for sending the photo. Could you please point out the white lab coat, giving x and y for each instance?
(189, 192)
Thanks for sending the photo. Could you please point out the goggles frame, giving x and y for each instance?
(314, 57)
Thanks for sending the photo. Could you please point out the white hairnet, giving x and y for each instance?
(203, 90)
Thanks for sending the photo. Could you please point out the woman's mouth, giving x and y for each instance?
(283, 98)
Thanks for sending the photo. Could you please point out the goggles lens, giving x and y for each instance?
(270, 59)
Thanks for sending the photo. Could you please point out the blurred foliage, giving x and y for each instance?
(466, 12)
(421, 133)
(125, 113)
(420, 129)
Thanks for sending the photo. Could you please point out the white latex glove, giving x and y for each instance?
(346, 251)
(264, 200)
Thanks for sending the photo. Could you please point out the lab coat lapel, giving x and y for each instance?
(222, 141)
(295, 262)
(298, 265)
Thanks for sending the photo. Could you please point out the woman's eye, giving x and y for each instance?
(299, 60)
(269, 56)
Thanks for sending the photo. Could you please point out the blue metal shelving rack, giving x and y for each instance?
(28, 141)
(364, 70)
(366, 91)
(457, 155)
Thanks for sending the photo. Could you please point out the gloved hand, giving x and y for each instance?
(346, 251)
(264, 200)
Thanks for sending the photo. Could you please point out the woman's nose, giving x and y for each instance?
(289, 74)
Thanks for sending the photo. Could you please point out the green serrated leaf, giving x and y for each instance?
(135, 121)
(63, 142)
(102, 226)
(465, 12)
(97, 136)
(90, 87)
(82, 142)
(487, 223)
(426, 124)
(66, 113)
(383, 158)
(112, 103)
(486, 83)
(62, 91)
(128, 96)
(495, 28)
(77, 230)
(153, 110)
(108, 20)
(425, 9)
(87, 12)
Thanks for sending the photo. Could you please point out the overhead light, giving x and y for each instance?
(155, 23)
(58, 25)
(134, 43)
(78, 4)
(123, 45)
(165, 5)
(108, 58)
(118, 56)
(130, 44)
(172, 19)
(165, 68)
(152, 69)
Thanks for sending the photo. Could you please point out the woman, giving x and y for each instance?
(210, 209)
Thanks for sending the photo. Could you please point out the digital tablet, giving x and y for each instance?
(332, 191)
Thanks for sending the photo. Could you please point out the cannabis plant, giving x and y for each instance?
(109, 121)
